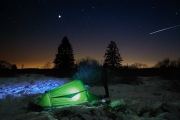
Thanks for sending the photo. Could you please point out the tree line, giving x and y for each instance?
(167, 63)
(64, 59)
(6, 65)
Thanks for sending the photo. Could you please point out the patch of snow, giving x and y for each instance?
(26, 85)
(148, 101)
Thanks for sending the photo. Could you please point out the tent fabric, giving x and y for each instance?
(71, 93)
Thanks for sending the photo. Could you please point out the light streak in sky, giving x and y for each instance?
(164, 29)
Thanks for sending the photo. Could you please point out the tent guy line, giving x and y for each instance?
(164, 29)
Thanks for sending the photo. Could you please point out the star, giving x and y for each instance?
(59, 16)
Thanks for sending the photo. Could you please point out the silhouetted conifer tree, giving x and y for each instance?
(14, 67)
(112, 56)
(65, 57)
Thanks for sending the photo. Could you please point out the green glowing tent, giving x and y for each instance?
(69, 94)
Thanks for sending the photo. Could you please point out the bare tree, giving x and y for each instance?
(138, 65)
(173, 63)
(178, 62)
(5, 65)
(165, 63)
(47, 65)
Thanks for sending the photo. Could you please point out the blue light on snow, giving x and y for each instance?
(18, 88)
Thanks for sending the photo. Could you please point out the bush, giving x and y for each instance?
(88, 70)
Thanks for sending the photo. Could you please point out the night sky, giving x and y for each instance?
(31, 30)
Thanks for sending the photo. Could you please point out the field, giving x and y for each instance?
(154, 99)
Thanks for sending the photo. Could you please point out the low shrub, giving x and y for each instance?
(89, 71)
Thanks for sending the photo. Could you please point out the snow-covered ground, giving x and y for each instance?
(155, 99)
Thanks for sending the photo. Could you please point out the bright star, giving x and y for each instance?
(59, 16)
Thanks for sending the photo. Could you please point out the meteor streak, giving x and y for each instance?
(164, 29)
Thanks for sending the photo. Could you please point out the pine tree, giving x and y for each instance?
(112, 56)
(65, 57)
(14, 67)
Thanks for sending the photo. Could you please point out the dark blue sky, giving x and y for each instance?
(30, 30)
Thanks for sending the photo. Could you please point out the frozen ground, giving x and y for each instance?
(155, 99)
